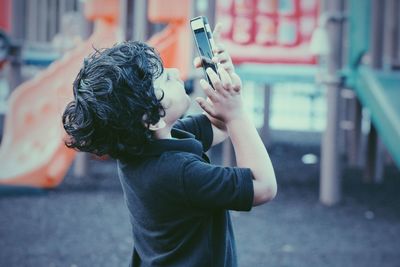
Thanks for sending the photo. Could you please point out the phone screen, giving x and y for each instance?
(204, 48)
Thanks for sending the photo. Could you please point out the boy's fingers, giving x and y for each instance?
(225, 60)
(219, 48)
(236, 82)
(222, 58)
(197, 62)
(228, 67)
(215, 80)
(225, 79)
(208, 90)
(206, 106)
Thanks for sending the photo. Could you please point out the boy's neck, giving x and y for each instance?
(164, 133)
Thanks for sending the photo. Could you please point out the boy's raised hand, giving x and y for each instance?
(223, 61)
(225, 101)
(226, 67)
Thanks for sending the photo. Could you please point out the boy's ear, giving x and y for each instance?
(166, 102)
(157, 126)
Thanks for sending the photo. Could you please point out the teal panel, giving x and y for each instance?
(276, 73)
(359, 30)
(380, 93)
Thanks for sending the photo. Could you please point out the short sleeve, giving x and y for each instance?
(199, 126)
(215, 187)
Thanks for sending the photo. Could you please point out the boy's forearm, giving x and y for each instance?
(220, 133)
(250, 151)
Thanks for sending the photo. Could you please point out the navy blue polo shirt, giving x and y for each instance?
(179, 202)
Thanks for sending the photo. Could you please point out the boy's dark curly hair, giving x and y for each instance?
(114, 101)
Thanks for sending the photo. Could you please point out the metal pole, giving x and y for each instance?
(140, 24)
(374, 166)
(396, 44)
(377, 33)
(355, 135)
(391, 30)
(52, 22)
(123, 10)
(31, 22)
(87, 26)
(42, 21)
(81, 165)
(17, 34)
(330, 180)
(266, 131)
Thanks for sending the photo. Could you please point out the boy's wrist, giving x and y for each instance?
(216, 122)
(240, 118)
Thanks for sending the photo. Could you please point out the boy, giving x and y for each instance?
(128, 106)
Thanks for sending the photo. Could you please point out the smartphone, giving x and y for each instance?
(204, 42)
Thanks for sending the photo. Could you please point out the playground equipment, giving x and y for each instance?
(375, 87)
(173, 42)
(378, 90)
(32, 152)
(269, 31)
(376, 82)
(275, 36)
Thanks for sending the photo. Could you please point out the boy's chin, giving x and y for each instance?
(186, 107)
(176, 115)
(189, 103)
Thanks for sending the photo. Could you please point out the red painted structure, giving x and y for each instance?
(274, 31)
(5, 15)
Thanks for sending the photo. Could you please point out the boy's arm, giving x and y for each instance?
(250, 152)
(220, 133)
(211, 187)
(227, 106)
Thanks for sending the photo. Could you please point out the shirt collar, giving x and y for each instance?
(180, 141)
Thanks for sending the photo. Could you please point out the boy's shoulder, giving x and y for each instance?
(165, 172)
(180, 156)
(167, 163)
(173, 162)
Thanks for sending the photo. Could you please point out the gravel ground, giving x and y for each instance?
(84, 221)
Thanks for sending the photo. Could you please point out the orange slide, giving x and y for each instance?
(32, 152)
(175, 42)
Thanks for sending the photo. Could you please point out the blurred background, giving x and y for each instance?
(321, 80)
